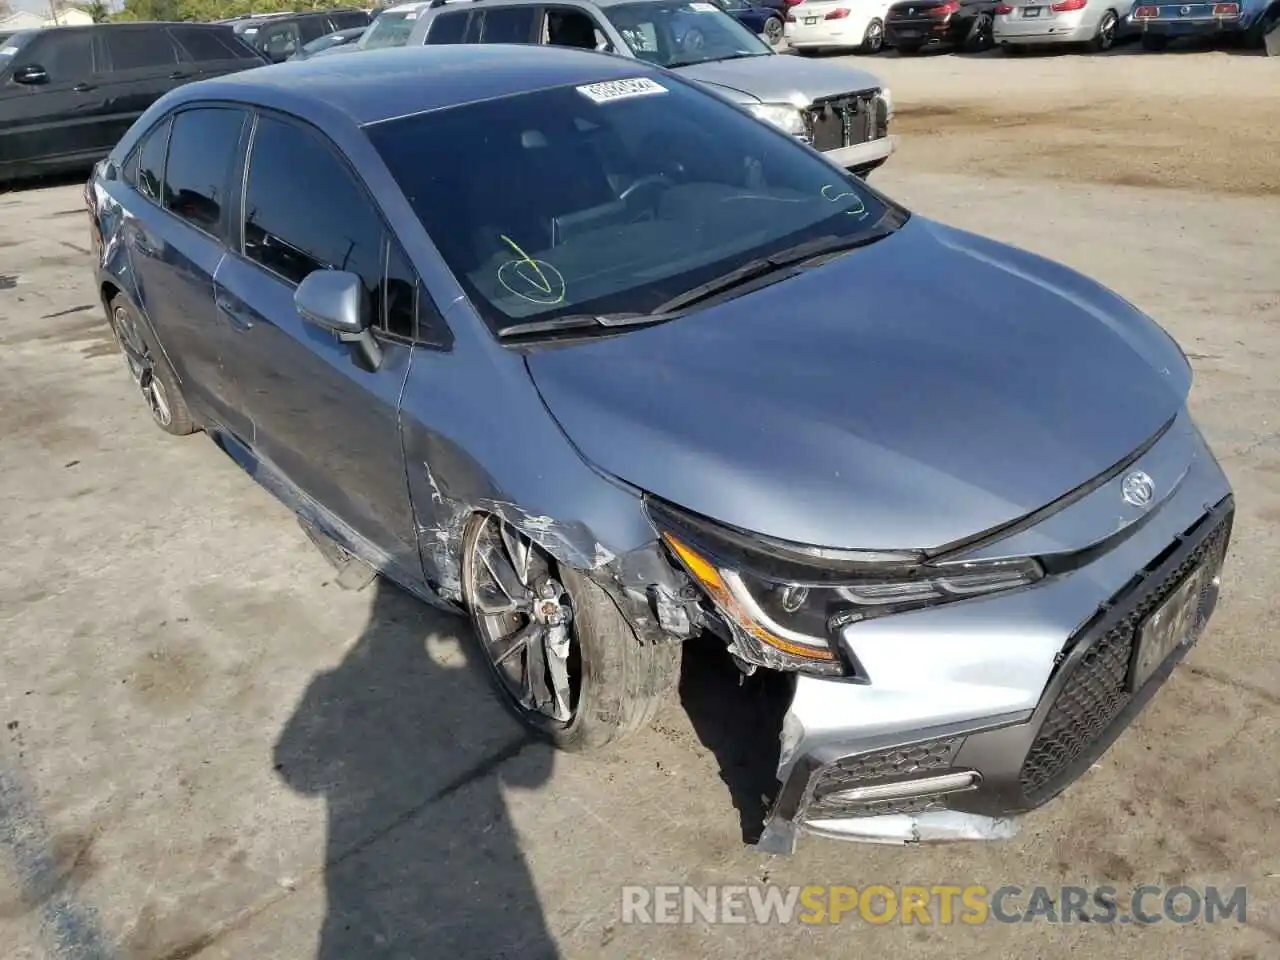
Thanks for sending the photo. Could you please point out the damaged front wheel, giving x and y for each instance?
(563, 657)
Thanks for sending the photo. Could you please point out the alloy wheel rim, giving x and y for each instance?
(141, 366)
(773, 30)
(875, 36)
(1107, 32)
(524, 618)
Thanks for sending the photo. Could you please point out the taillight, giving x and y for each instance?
(1066, 6)
(1003, 9)
(1226, 9)
(837, 14)
(1146, 13)
(948, 8)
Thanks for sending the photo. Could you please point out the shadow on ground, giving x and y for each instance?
(738, 719)
(410, 751)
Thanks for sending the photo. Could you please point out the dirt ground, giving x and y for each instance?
(209, 750)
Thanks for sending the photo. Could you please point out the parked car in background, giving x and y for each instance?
(814, 25)
(389, 28)
(328, 41)
(1096, 24)
(572, 346)
(760, 17)
(1251, 22)
(912, 25)
(67, 94)
(281, 36)
(840, 110)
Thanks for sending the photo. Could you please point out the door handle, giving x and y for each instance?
(83, 87)
(178, 75)
(236, 314)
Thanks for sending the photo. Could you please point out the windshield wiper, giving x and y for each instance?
(584, 321)
(776, 264)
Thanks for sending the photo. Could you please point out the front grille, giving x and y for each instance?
(1078, 725)
(843, 121)
(881, 766)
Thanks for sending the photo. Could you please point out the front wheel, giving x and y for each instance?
(873, 39)
(1105, 38)
(562, 656)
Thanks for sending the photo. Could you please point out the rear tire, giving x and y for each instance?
(1105, 38)
(150, 371)
(980, 37)
(1154, 42)
(873, 39)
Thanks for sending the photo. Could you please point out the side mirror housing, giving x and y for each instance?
(336, 300)
(32, 75)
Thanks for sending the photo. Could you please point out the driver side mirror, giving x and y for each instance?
(31, 75)
(336, 300)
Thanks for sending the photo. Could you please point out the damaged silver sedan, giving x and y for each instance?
(567, 344)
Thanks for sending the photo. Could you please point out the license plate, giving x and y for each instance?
(1029, 12)
(810, 21)
(908, 34)
(1173, 624)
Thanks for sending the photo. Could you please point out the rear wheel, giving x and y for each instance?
(873, 39)
(979, 37)
(1105, 38)
(150, 371)
(560, 653)
(1154, 42)
(773, 31)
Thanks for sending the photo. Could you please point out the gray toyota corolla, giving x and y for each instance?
(565, 343)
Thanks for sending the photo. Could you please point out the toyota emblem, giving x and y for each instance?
(1138, 489)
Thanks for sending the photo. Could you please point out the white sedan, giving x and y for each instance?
(836, 24)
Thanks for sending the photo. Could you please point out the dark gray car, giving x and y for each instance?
(623, 366)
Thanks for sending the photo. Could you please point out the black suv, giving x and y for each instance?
(280, 37)
(67, 94)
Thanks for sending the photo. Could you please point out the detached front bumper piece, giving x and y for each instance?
(990, 741)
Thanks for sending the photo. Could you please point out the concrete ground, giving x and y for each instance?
(207, 749)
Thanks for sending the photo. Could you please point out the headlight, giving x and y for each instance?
(785, 116)
(787, 603)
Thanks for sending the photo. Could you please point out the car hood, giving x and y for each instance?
(779, 78)
(912, 393)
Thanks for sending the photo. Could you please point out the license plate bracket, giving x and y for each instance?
(1029, 13)
(810, 21)
(1175, 623)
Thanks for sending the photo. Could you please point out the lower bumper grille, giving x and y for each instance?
(881, 767)
(1076, 728)
(846, 120)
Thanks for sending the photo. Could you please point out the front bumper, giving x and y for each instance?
(1009, 698)
(864, 157)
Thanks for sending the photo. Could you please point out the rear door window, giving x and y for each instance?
(507, 25)
(202, 151)
(140, 48)
(149, 175)
(205, 46)
(448, 28)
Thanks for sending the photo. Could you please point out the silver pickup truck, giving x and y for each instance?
(842, 111)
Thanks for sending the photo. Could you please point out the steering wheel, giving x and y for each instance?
(648, 183)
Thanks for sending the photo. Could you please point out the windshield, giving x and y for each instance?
(389, 30)
(675, 33)
(10, 46)
(610, 197)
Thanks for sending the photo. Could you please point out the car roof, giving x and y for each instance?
(380, 85)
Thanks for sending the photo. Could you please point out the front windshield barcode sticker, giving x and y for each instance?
(621, 89)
